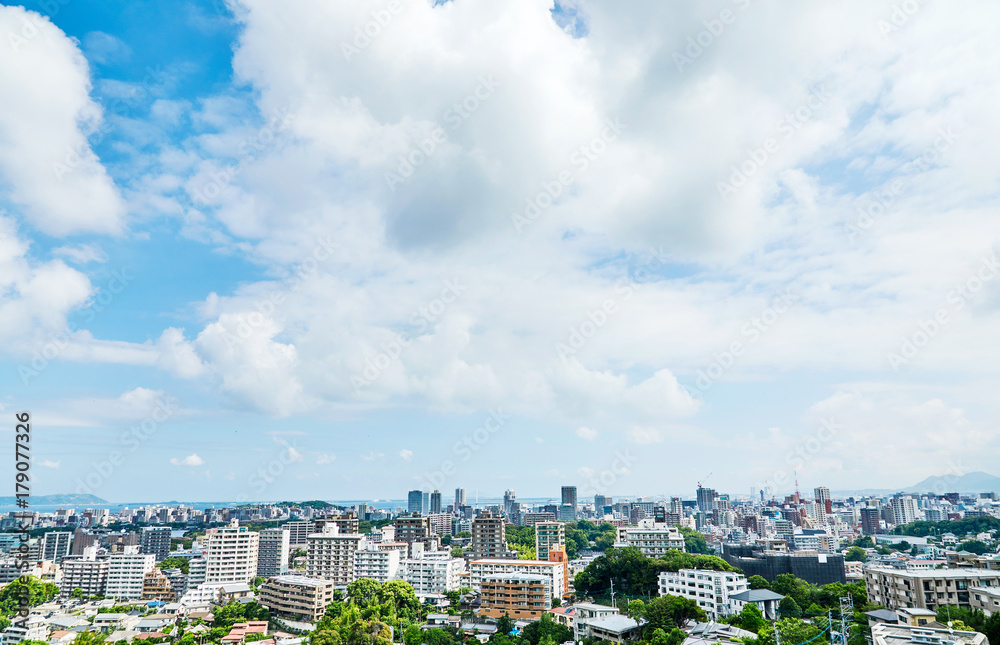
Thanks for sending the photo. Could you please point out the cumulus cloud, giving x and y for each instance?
(405, 454)
(588, 434)
(190, 460)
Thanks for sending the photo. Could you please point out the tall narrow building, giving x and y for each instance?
(231, 553)
(272, 552)
(569, 498)
(436, 502)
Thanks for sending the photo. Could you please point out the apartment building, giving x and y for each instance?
(127, 572)
(156, 540)
(377, 564)
(55, 546)
(532, 519)
(710, 589)
(651, 539)
(156, 586)
(231, 554)
(554, 571)
(433, 573)
(330, 555)
(489, 537)
(85, 572)
(521, 595)
(926, 588)
(297, 597)
(346, 523)
(298, 532)
(548, 536)
(413, 527)
(272, 552)
(440, 523)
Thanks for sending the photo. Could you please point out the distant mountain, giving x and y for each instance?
(977, 482)
(71, 499)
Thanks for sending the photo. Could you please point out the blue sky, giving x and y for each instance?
(694, 286)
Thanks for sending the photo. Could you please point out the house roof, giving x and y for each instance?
(613, 623)
(883, 615)
(756, 595)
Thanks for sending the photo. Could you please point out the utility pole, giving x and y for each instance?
(777, 637)
(613, 593)
(846, 618)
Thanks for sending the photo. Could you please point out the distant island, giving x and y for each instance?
(71, 499)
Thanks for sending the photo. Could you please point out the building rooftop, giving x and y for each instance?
(613, 623)
(756, 595)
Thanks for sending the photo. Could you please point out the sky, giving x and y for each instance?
(339, 249)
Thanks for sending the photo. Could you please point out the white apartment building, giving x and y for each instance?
(231, 554)
(904, 509)
(126, 572)
(330, 555)
(652, 539)
(86, 573)
(55, 545)
(434, 573)
(710, 589)
(376, 564)
(553, 570)
(272, 552)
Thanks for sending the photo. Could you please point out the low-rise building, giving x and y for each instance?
(926, 589)
(433, 573)
(653, 540)
(888, 634)
(554, 571)
(376, 564)
(710, 589)
(297, 597)
(520, 595)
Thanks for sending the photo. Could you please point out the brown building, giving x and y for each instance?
(412, 528)
(520, 595)
(156, 586)
(297, 597)
(489, 538)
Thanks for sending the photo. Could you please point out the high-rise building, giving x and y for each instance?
(548, 536)
(489, 537)
(156, 540)
(415, 502)
(600, 501)
(904, 509)
(272, 552)
(459, 498)
(85, 572)
(569, 497)
(330, 555)
(231, 553)
(706, 499)
(126, 573)
(56, 545)
(435, 502)
(822, 494)
(425, 503)
(677, 506)
(413, 527)
(509, 502)
(870, 520)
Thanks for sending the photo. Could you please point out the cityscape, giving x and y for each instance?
(499, 322)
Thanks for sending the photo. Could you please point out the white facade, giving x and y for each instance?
(433, 573)
(710, 589)
(652, 540)
(376, 564)
(272, 552)
(330, 555)
(126, 572)
(86, 573)
(231, 554)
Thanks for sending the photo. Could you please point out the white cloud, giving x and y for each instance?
(44, 123)
(645, 436)
(586, 433)
(325, 458)
(190, 460)
(49, 464)
(405, 454)
(373, 456)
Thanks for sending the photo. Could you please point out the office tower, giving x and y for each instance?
(569, 498)
(459, 498)
(156, 540)
(509, 501)
(870, 520)
(822, 494)
(415, 502)
(362, 511)
(231, 553)
(489, 537)
(435, 502)
(706, 499)
(56, 545)
(272, 552)
(600, 501)
(127, 571)
(548, 536)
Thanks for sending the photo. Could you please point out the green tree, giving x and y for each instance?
(758, 582)
(974, 546)
(89, 638)
(750, 618)
(546, 627)
(176, 563)
(855, 554)
(505, 625)
(636, 609)
(788, 585)
(790, 630)
(76, 593)
(694, 541)
(667, 612)
(865, 542)
(789, 608)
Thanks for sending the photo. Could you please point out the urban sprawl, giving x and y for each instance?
(921, 569)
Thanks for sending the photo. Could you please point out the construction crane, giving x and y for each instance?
(704, 479)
